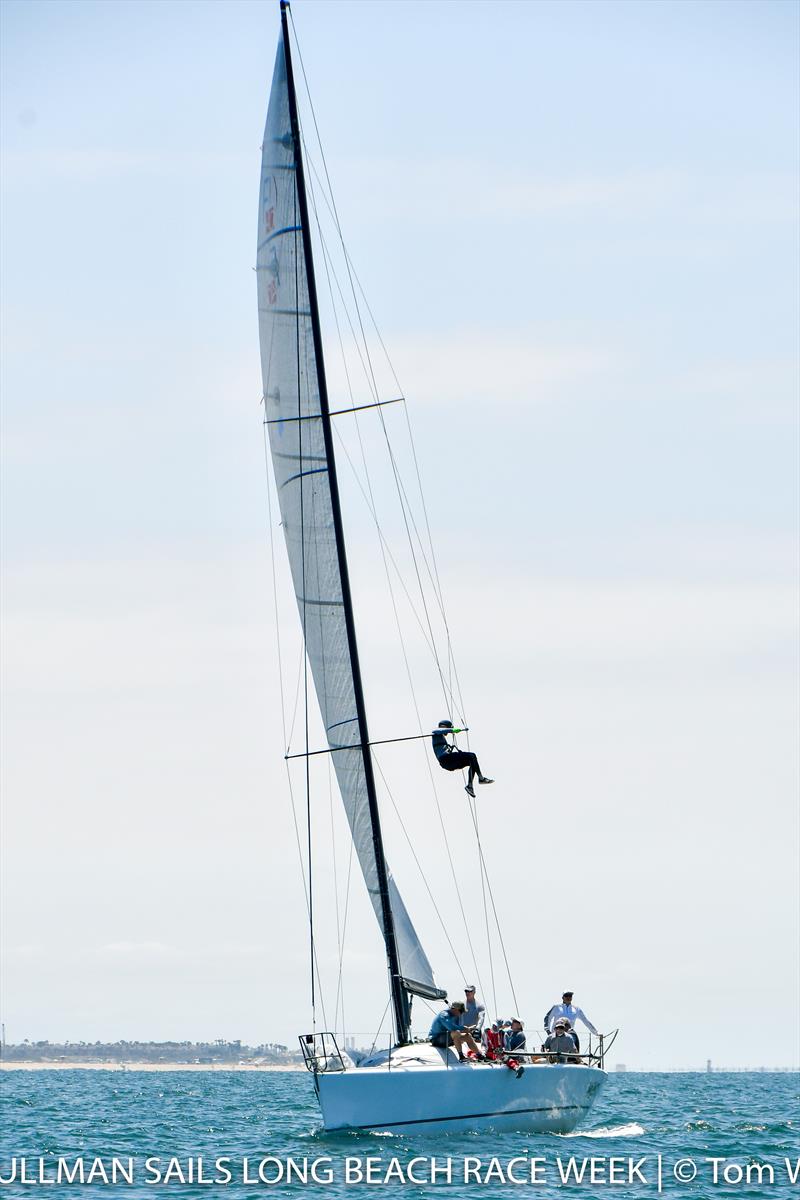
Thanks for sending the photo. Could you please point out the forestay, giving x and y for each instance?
(293, 412)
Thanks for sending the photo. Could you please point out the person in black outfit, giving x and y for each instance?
(453, 759)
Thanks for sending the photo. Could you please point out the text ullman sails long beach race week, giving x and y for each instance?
(376, 1170)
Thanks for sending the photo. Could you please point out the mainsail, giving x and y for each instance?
(296, 413)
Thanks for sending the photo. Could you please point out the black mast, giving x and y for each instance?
(399, 995)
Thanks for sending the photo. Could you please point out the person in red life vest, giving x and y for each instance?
(493, 1039)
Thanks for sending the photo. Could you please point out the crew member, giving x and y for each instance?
(453, 759)
(493, 1038)
(474, 1013)
(514, 1040)
(567, 1009)
(561, 1043)
(448, 1030)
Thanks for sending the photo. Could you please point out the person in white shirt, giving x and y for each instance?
(567, 1009)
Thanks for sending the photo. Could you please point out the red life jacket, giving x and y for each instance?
(494, 1042)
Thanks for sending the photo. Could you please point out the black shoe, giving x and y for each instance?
(520, 1071)
(484, 779)
(470, 790)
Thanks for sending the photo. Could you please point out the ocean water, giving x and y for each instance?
(166, 1121)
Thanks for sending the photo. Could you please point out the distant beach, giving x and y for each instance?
(147, 1066)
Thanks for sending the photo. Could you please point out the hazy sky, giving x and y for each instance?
(576, 224)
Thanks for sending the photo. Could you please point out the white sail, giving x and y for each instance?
(292, 410)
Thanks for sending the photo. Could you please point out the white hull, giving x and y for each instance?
(425, 1090)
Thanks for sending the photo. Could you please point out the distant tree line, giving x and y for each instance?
(219, 1051)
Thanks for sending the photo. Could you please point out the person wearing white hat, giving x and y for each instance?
(561, 1043)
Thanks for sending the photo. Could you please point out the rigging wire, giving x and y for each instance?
(340, 978)
(485, 874)
(314, 207)
(419, 866)
(471, 803)
(335, 888)
(419, 721)
(407, 513)
(373, 382)
(369, 497)
(451, 702)
(371, 504)
(279, 655)
(309, 848)
(293, 805)
(296, 704)
(380, 1030)
(433, 575)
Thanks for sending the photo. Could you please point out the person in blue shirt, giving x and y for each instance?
(452, 759)
(513, 1041)
(515, 1038)
(448, 1030)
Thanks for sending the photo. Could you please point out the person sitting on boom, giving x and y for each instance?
(452, 759)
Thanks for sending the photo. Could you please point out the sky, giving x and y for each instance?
(576, 224)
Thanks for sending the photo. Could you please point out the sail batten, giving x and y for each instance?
(295, 413)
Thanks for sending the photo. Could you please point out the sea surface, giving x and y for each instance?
(255, 1121)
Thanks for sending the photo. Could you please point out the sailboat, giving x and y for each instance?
(411, 1085)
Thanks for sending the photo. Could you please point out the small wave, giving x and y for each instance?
(632, 1129)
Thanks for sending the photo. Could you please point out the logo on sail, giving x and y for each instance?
(273, 266)
(268, 202)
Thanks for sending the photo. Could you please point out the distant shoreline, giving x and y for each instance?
(270, 1068)
(23, 1065)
